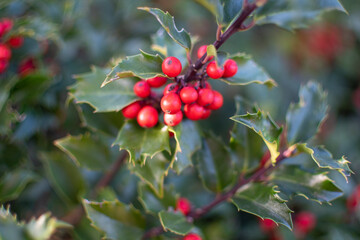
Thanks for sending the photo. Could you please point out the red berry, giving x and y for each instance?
(193, 111)
(171, 66)
(5, 26)
(217, 102)
(183, 205)
(267, 225)
(26, 67)
(16, 42)
(353, 200)
(171, 134)
(192, 236)
(173, 86)
(132, 110)
(5, 52)
(3, 65)
(171, 103)
(147, 117)
(142, 89)
(206, 97)
(206, 113)
(214, 71)
(173, 119)
(304, 222)
(230, 68)
(188, 95)
(202, 50)
(156, 82)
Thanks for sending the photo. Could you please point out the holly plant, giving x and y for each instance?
(148, 122)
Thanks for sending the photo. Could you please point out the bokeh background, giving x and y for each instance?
(79, 34)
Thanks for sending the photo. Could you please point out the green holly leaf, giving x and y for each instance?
(293, 14)
(152, 172)
(143, 65)
(168, 23)
(112, 97)
(293, 181)
(175, 222)
(304, 118)
(188, 141)
(152, 202)
(115, 219)
(142, 142)
(13, 183)
(64, 176)
(324, 159)
(225, 11)
(89, 150)
(245, 144)
(214, 165)
(264, 202)
(163, 44)
(265, 127)
(248, 72)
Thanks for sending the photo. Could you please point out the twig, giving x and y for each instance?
(75, 215)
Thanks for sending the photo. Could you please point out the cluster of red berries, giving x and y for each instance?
(198, 100)
(13, 42)
(184, 206)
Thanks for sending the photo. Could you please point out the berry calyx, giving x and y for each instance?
(170, 103)
(147, 117)
(188, 95)
(192, 236)
(214, 71)
(202, 50)
(156, 82)
(193, 111)
(206, 97)
(172, 87)
(171, 66)
(142, 89)
(230, 68)
(206, 113)
(132, 110)
(5, 52)
(15, 42)
(183, 205)
(217, 102)
(173, 119)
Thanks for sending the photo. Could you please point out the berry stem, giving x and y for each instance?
(234, 27)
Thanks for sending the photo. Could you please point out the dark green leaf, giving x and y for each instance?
(168, 23)
(115, 219)
(292, 14)
(175, 222)
(153, 172)
(143, 65)
(13, 183)
(263, 201)
(324, 159)
(248, 72)
(214, 165)
(113, 97)
(304, 118)
(188, 140)
(152, 202)
(293, 181)
(265, 127)
(90, 151)
(142, 142)
(64, 176)
(162, 43)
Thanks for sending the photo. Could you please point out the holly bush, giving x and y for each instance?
(117, 123)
